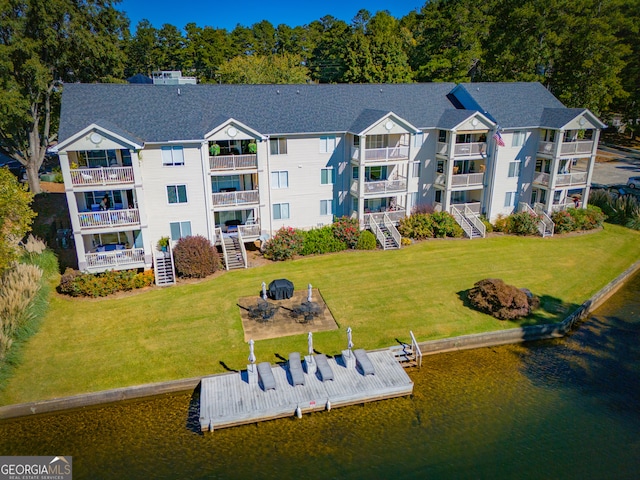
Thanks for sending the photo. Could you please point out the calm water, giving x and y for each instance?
(565, 409)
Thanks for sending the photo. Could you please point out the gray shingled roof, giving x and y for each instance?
(512, 104)
(453, 118)
(559, 117)
(157, 113)
(367, 118)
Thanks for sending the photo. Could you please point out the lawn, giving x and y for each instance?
(194, 329)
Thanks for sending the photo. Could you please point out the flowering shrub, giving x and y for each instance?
(347, 230)
(564, 222)
(367, 241)
(286, 243)
(195, 257)
(429, 225)
(444, 225)
(321, 240)
(578, 219)
(521, 223)
(78, 284)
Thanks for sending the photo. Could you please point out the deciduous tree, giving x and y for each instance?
(15, 216)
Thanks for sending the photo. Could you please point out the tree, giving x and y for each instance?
(205, 50)
(329, 37)
(42, 44)
(15, 216)
(282, 69)
(142, 54)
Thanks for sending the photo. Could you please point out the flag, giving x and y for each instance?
(498, 138)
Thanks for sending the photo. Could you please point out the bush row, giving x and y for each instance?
(429, 225)
(78, 284)
(526, 223)
(343, 234)
(620, 209)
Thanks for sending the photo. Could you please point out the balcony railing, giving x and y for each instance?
(473, 207)
(383, 186)
(109, 218)
(467, 179)
(386, 153)
(234, 162)
(394, 215)
(249, 230)
(88, 177)
(562, 179)
(442, 148)
(224, 199)
(567, 148)
(469, 149)
(116, 258)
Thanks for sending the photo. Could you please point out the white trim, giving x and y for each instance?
(74, 138)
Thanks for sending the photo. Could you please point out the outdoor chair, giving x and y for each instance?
(265, 374)
(364, 361)
(323, 367)
(295, 369)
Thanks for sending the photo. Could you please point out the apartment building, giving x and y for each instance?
(235, 163)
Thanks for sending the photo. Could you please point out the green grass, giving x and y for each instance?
(192, 330)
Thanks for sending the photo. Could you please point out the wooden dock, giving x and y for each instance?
(238, 398)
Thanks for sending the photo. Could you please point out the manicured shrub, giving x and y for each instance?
(418, 226)
(564, 222)
(444, 225)
(500, 224)
(67, 282)
(285, 244)
(367, 241)
(347, 230)
(487, 224)
(321, 240)
(195, 257)
(523, 223)
(587, 218)
(500, 300)
(78, 284)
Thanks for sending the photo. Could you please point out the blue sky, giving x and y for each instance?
(228, 13)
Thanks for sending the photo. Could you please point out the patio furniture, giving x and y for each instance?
(265, 375)
(295, 369)
(323, 367)
(280, 289)
(364, 362)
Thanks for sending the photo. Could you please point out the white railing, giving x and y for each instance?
(417, 353)
(441, 179)
(391, 227)
(474, 207)
(576, 178)
(377, 231)
(541, 178)
(546, 147)
(243, 250)
(557, 207)
(382, 186)
(249, 230)
(235, 198)
(355, 153)
(219, 236)
(394, 216)
(581, 146)
(469, 149)
(441, 148)
(548, 225)
(387, 153)
(115, 258)
(109, 218)
(459, 218)
(81, 177)
(474, 219)
(467, 179)
(234, 162)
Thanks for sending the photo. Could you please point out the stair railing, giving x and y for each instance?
(243, 250)
(549, 225)
(224, 248)
(417, 353)
(475, 220)
(462, 221)
(393, 230)
(373, 225)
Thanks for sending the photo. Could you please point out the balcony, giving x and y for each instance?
(230, 199)
(394, 215)
(562, 179)
(462, 150)
(233, 162)
(109, 218)
(400, 152)
(380, 187)
(92, 177)
(467, 180)
(129, 258)
(582, 147)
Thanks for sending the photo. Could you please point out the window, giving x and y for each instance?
(280, 211)
(180, 230)
(326, 207)
(327, 176)
(418, 139)
(356, 141)
(126, 157)
(442, 136)
(280, 179)
(415, 169)
(510, 199)
(514, 168)
(172, 156)
(97, 158)
(278, 146)
(94, 198)
(376, 141)
(177, 193)
(518, 138)
(438, 196)
(355, 172)
(327, 144)
(413, 199)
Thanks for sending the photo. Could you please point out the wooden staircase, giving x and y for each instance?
(389, 241)
(164, 270)
(233, 257)
(409, 355)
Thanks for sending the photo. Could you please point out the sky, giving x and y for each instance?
(228, 13)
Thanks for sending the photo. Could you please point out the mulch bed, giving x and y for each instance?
(283, 324)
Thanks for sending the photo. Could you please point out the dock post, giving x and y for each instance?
(310, 364)
(349, 358)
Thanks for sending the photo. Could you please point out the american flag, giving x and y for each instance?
(498, 138)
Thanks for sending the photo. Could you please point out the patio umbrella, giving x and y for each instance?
(349, 339)
(264, 291)
(309, 294)
(310, 343)
(252, 356)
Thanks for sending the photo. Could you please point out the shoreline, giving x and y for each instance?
(432, 347)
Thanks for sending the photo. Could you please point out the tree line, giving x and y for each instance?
(585, 52)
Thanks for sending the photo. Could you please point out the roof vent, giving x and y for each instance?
(178, 92)
(278, 92)
(298, 92)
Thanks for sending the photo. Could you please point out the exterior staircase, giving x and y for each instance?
(470, 222)
(408, 355)
(546, 226)
(389, 241)
(233, 254)
(164, 270)
(386, 232)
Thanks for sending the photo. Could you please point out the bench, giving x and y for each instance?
(364, 361)
(323, 367)
(265, 374)
(295, 369)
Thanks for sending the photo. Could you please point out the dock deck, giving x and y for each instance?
(237, 398)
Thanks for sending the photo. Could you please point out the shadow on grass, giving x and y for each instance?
(551, 310)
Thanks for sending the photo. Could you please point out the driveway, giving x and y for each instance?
(618, 170)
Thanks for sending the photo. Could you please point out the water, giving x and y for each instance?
(566, 408)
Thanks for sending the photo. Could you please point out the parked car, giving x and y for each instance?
(633, 182)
